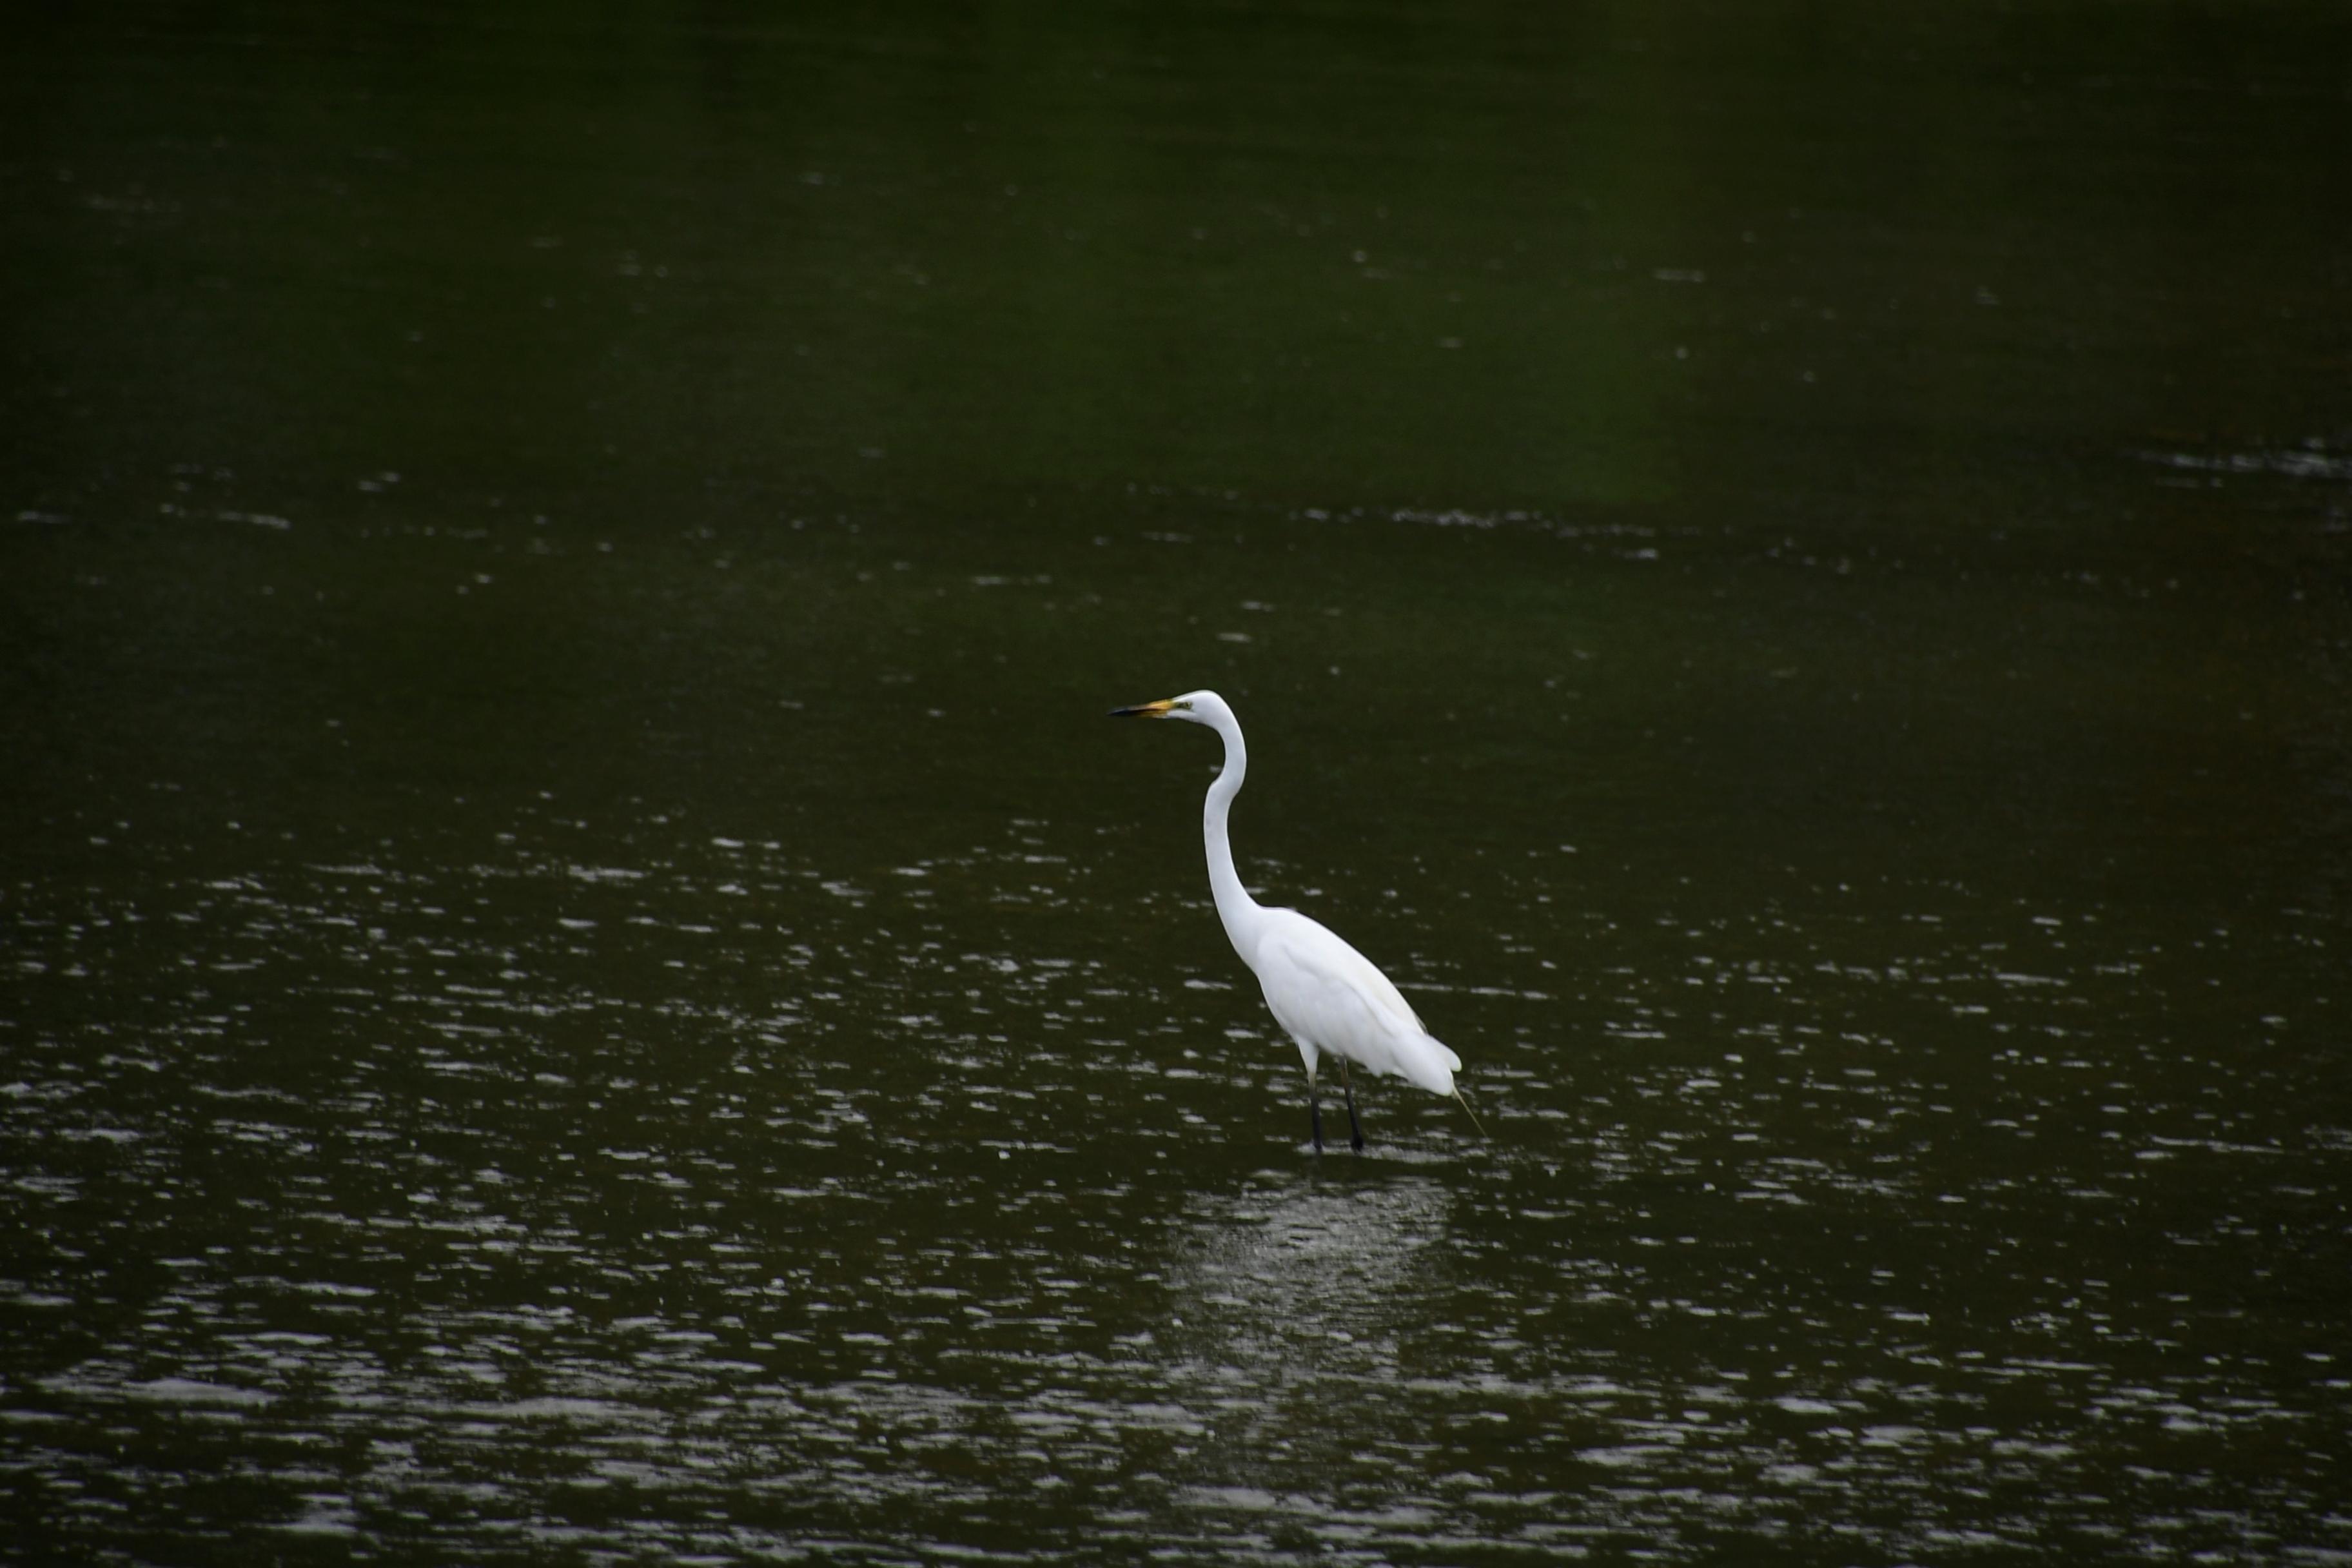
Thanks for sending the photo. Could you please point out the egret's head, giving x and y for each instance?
(1199, 706)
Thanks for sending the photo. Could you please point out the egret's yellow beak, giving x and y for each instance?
(1144, 711)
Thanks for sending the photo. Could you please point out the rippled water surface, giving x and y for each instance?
(581, 978)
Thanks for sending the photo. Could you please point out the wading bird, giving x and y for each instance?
(1328, 996)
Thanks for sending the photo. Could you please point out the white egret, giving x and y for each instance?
(1329, 998)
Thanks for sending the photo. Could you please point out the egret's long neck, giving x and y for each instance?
(1240, 912)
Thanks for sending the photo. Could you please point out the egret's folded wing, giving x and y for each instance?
(1326, 992)
(1314, 1001)
(1316, 947)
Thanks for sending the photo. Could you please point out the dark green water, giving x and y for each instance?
(585, 981)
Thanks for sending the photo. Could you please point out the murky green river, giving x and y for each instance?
(583, 979)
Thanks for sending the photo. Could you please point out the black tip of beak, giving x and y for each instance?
(1125, 712)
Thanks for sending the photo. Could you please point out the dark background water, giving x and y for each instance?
(584, 979)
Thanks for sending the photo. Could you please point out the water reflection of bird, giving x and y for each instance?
(1327, 994)
(1312, 1276)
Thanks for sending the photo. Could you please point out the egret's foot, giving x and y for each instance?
(1355, 1128)
(1355, 1141)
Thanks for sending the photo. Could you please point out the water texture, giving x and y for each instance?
(584, 980)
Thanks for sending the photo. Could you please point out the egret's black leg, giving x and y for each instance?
(1315, 1112)
(1355, 1128)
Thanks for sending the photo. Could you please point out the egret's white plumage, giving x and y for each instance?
(1327, 996)
(1330, 998)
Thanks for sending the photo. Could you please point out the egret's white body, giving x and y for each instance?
(1328, 998)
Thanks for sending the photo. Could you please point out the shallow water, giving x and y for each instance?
(585, 979)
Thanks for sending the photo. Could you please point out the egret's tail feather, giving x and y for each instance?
(1474, 1115)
